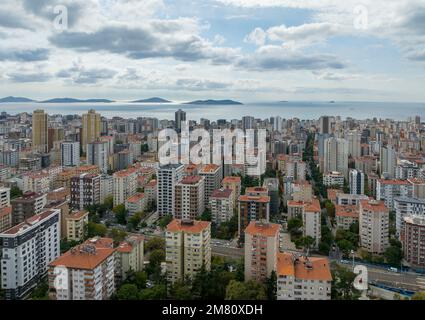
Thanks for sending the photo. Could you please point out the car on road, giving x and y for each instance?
(393, 269)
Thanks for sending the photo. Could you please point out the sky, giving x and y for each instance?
(246, 50)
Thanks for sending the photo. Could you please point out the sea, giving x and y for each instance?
(304, 110)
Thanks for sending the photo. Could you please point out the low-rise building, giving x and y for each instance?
(302, 278)
(76, 224)
(346, 215)
(136, 203)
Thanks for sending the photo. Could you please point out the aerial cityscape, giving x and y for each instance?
(218, 151)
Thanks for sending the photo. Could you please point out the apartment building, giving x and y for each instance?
(189, 198)
(346, 215)
(70, 154)
(130, 256)
(333, 179)
(213, 176)
(125, 185)
(413, 241)
(27, 249)
(5, 218)
(233, 183)
(136, 203)
(296, 169)
(272, 185)
(151, 191)
(356, 181)
(404, 207)
(344, 199)
(168, 176)
(36, 182)
(85, 190)
(374, 222)
(387, 190)
(252, 208)
(303, 278)
(221, 204)
(86, 272)
(76, 224)
(188, 247)
(4, 197)
(262, 240)
(97, 154)
(312, 221)
(29, 204)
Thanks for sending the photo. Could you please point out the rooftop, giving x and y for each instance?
(28, 223)
(231, 179)
(302, 268)
(178, 225)
(222, 193)
(347, 211)
(247, 198)
(264, 229)
(191, 180)
(373, 205)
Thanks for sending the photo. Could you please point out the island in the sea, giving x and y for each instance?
(72, 100)
(214, 102)
(15, 99)
(152, 100)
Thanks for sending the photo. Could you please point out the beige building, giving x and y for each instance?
(5, 218)
(221, 204)
(188, 247)
(87, 270)
(76, 224)
(189, 198)
(233, 183)
(130, 256)
(301, 278)
(213, 176)
(90, 128)
(40, 135)
(261, 249)
(346, 216)
(125, 185)
(312, 221)
(136, 203)
(374, 226)
(4, 197)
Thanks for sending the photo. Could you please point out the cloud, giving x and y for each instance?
(28, 77)
(10, 20)
(201, 84)
(78, 74)
(29, 55)
(332, 76)
(166, 39)
(276, 58)
(257, 36)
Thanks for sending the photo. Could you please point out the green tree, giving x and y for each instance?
(96, 229)
(250, 290)
(138, 278)
(158, 292)
(305, 242)
(419, 296)
(394, 253)
(271, 285)
(128, 292)
(15, 192)
(109, 202)
(342, 284)
(41, 292)
(205, 216)
(135, 219)
(181, 290)
(330, 208)
(155, 243)
(120, 214)
(117, 235)
(165, 221)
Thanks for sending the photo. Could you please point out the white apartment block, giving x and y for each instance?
(4, 197)
(188, 247)
(334, 178)
(70, 154)
(97, 154)
(125, 185)
(336, 156)
(167, 176)
(349, 199)
(106, 187)
(374, 220)
(213, 177)
(221, 204)
(86, 272)
(38, 182)
(296, 169)
(301, 278)
(27, 250)
(356, 181)
(387, 190)
(136, 203)
(312, 221)
(404, 207)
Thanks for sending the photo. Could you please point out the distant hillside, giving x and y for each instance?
(214, 102)
(15, 99)
(152, 100)
(71, 100)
